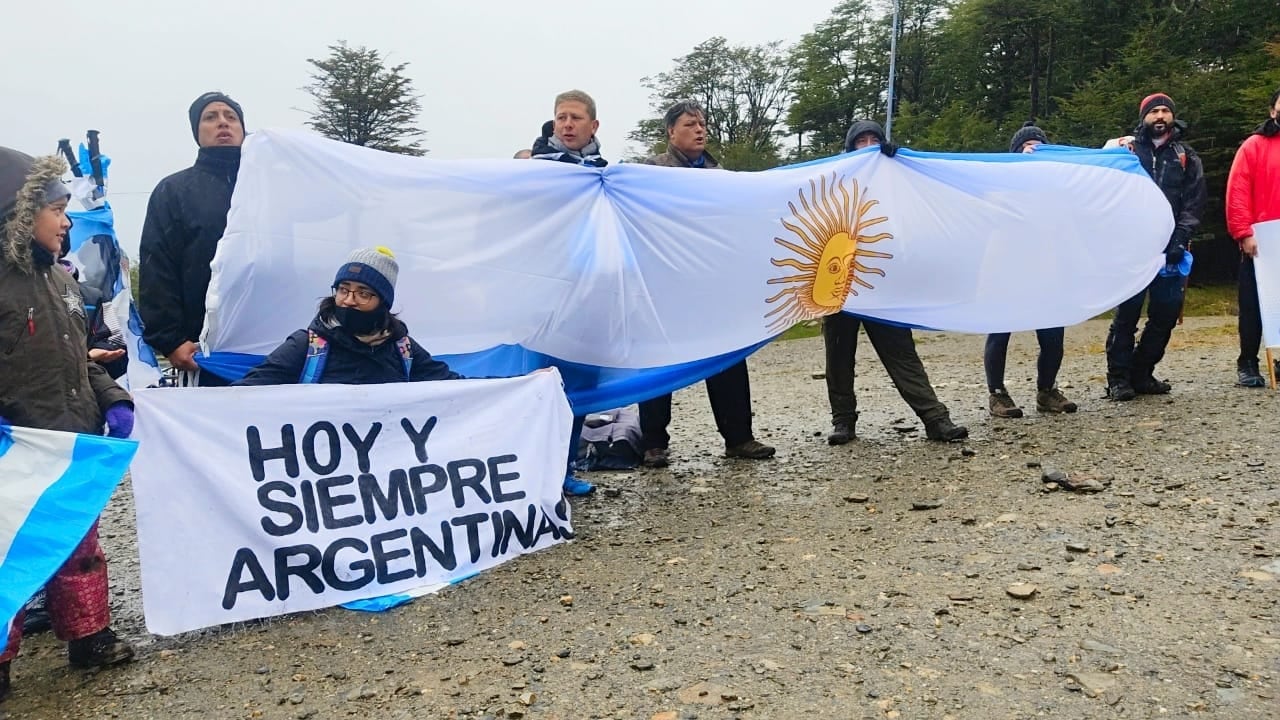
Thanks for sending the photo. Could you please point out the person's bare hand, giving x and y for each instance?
(99, 355)
(1249, 246)
(183, 357)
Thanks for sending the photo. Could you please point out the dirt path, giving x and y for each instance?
(808, 586)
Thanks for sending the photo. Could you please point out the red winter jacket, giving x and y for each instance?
(1253, 187)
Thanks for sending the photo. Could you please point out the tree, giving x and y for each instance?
(362, 101)
(744, 91)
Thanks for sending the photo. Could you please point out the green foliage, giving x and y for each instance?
(362, 101)
(744, 91)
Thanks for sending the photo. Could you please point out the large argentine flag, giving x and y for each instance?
(53, 486)
(640, 278)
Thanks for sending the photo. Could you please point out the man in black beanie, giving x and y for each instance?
(185, 219)
(894, 344)
(1176, 169)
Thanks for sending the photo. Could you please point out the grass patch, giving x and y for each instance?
(1201, 301)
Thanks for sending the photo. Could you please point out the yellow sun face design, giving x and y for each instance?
(831, 232)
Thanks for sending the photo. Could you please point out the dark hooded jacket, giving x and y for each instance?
(862, 127)
(349, 361)
(1176, 169)
(186, 217)
(46, 379)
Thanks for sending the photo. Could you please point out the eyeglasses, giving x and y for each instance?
(363, 296)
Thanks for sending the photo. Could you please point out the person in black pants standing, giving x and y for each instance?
(730, 390)
(895, 346)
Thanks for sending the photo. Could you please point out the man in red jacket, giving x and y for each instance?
(1253, 196)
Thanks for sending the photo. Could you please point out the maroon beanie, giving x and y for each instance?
(1153, 101)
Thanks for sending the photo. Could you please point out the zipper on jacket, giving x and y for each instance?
(29, 327)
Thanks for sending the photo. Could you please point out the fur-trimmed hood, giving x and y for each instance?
(19, 221)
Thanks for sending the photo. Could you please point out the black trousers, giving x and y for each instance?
(1125, 361)
(1250, 314)
(730, 395)
(1048, 363)
(897, 350)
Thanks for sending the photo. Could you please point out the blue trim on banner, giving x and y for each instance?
(590, 388)
(1113, 158)
(60, 518)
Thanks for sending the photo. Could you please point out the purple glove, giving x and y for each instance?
(119, 420)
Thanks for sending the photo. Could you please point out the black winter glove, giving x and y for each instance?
(1176, 250)
(888, 149)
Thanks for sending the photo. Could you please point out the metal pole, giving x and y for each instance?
(893, 69)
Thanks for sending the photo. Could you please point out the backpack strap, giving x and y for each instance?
(317, 353)
(405, 346)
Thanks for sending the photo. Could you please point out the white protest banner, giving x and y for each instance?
(259, 501)
(1267, 267)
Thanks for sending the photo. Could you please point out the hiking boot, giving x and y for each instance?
(656, 458)
(1003, 406)
(1150, 386)
(100, 649)
(841, 434)
(1248, 376)
(1053, 401)
(1120, 391)
(751, 450)
(4, 680)
(943, 430)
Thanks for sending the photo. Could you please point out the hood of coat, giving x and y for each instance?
(19, 224)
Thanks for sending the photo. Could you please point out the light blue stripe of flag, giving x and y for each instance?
(70, 478)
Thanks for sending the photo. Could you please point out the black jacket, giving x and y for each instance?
(349, 361)
(1176, 168)
(186, 217)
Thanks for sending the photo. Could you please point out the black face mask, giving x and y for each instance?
(361, 322)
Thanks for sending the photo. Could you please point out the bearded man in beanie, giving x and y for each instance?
(47, 382)
(186, 217)
(1176, 169)
(895, 345)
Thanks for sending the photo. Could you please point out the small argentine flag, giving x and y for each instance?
(53, 486)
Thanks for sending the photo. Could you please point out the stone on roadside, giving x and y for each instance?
(1021, 591)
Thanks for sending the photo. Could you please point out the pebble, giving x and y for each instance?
(1077, 547)
(926, 504)
(856, 498)
(1021, 591)
(642, 665)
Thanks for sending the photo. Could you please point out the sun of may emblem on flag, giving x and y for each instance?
(830, 230)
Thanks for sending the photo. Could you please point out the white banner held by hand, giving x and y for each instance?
(260, 501)
(1267, 268)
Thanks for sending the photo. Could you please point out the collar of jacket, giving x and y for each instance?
(223, 162)
(708, 160)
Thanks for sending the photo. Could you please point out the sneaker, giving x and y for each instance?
(656, 458)
(1121, 391)
(751, 450)
(4, 680)
(841, 434)
(100, 649)
(1053, 401)
(1151, 386)
(577, 488)
(1248, 376)
(943, 430)
(1003, 406)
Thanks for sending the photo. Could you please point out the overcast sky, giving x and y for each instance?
(487, 70)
